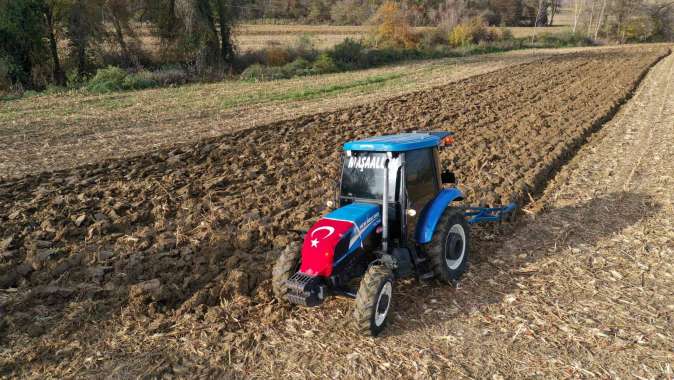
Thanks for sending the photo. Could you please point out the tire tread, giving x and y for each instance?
(285, 266)
(436, 247)
(367, 298)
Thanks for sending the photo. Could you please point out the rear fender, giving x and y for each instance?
(432, 213)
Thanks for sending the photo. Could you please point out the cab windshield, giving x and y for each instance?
(363, 175)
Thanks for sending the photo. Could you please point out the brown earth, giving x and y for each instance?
(120, 267)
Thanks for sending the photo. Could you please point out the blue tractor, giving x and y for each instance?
(397, 215)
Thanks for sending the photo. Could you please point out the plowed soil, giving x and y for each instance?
(159, 264)
(62, 131)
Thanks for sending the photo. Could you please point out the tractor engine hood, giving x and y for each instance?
(336, 236)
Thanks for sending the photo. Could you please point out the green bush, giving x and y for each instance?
(73, 79)
(115, 79)
(140, 80)
(170, 75)
(107, 80)
(298, 67)
(568, 39)
(275, 73)
(432, 38)
(324, 65)
(508, 44)
(253, 73)
(347, 55)
(53, 89)
(378, 57)
(638, 29)
(481, 48)
(257, 72)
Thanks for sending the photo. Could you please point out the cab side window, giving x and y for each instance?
(422, 181)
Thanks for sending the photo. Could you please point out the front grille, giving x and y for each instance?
(305, 290)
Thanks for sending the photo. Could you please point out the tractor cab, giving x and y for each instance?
(410, 162)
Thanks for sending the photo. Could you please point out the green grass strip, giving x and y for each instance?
(311, 93)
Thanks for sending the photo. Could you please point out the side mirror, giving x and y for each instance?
(448, 177)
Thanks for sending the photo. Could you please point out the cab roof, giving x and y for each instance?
(398, 143)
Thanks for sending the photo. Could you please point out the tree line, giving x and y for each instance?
(624, 20)
(419, 12)
(38, 38)
(36, 35)
(46, 42)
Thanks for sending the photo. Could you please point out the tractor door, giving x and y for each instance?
(421, 183)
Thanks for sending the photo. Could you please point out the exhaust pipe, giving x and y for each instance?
(384, 211)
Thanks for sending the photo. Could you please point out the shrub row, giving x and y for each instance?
(560, 40)
(273, 64)
(299, 67)
(355, 55)
(113, 78)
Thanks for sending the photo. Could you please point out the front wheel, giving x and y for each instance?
(373, 301)
(286, 265)
(449, 248)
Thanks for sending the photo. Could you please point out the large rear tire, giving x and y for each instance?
(286, 265)
(374, 300)
(449, 249)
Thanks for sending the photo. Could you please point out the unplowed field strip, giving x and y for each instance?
(117, 261)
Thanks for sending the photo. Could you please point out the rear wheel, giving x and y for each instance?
(374, 299)
(449, 248)
(286, 265)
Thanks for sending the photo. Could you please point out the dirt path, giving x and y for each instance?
(583, 288)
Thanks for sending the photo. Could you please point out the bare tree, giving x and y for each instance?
(600, 19)
(554, 6)
(661, 17)
(84, 26)
(578, 6)
(589, 23)
(119, 14)
(538, 16)
(50, 11)
(450, 13)
(226, 16)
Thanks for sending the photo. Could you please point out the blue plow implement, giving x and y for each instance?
(488, 214)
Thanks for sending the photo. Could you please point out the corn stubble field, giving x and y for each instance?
(158, 264)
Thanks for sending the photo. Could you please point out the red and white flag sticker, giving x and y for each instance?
(319, 246)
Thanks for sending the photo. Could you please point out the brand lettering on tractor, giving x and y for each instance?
(366, 162)
(362, 227)
(369, 221)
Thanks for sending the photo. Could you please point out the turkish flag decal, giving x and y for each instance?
(319, 246)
